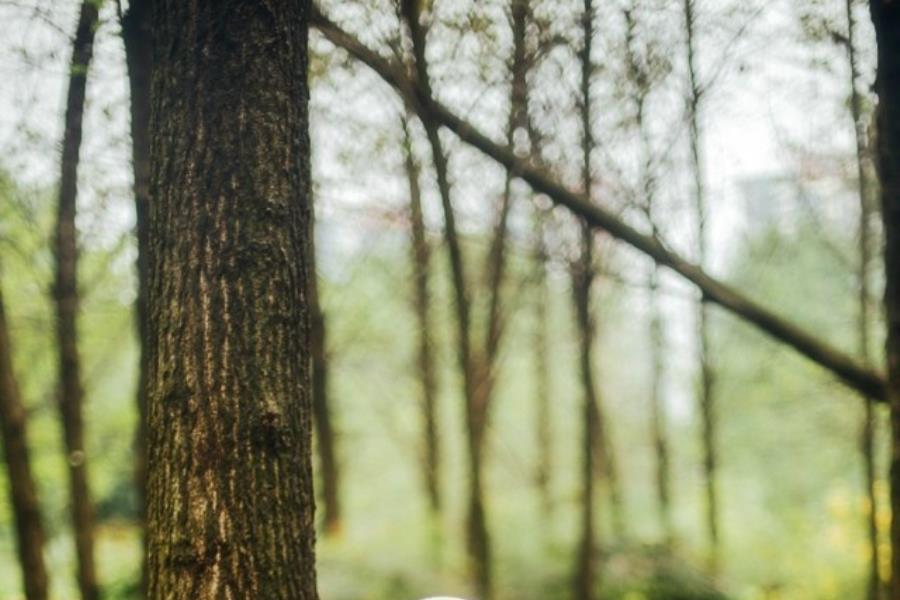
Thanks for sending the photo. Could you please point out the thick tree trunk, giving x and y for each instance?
(329, 475)
(886, 18)
(704, 359)
(421, 259)
(230, 489)
(23, 493)
(876, 588)
(65, 293)
(136, 34)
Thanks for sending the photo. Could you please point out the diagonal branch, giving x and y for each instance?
(841, 364)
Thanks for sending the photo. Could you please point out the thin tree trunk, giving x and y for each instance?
(585, 573)
(543, 425)
(230, 488)
(606, 467)
(886, 18)
(421, 259)
(582, 278)
(65, 294)
(658, 411)
(138, 41)
(704, 357)
(841, 365)
(23, 493)
(655, 332)
(876, 588)
(476, 374)
(322, 418)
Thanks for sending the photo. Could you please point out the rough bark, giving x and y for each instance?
(840, 364)
(420, 253)
(138, 41)
(65, 295)
(706, 395)
(230, 488)
(329, 474)
(23, 493)
(886, 18)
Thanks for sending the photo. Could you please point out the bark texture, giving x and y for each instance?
(65, 295)
(326, 442)
(886, 18)
(230, 490)
(841, 365)
(138, 40)
(421, 263)
(23, 493)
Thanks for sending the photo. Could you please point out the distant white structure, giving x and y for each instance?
(820, 191)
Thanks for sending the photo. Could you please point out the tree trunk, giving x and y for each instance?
(606, 468)
(876, 588)
(475, 385)
(658, 411)
(230, 488)
(585, 573)
(641, 87)
(886, 18)
(65, 294)
(23, 493)
(543, 424)
(582, 279)
(704, 357)
(138, 41)
(325, 435)
(421, 258)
